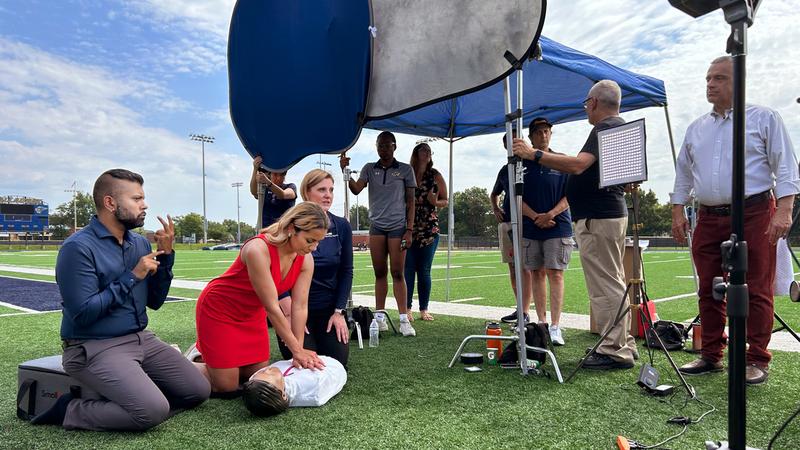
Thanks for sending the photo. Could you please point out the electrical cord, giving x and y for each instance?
(683, 420)
(783, 427)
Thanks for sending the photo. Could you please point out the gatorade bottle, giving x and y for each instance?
(493, 329)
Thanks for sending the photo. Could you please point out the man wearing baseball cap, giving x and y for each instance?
(546, 231)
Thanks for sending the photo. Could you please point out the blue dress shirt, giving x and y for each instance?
(101, 297)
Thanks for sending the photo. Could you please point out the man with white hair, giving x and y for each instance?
(704, 165)
(601, 218)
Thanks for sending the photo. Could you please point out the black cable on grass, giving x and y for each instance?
(783, 427)
(681, 420)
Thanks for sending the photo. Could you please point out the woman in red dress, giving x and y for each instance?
(231, 311)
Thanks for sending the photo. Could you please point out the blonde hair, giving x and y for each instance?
(306, 216)
(313, 178)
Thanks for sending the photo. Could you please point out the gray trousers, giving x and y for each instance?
(143, 379)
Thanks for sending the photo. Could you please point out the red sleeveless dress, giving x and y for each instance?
(231, 321)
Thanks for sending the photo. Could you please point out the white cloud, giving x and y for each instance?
(63, 122)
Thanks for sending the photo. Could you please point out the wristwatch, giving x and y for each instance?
(338, 311)
(537, 156)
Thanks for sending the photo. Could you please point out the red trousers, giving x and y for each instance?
(710, 232)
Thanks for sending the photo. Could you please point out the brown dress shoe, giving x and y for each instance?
(700, 366)
(754, 374)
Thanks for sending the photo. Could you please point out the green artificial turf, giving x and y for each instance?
(402, 394)
(478, 276)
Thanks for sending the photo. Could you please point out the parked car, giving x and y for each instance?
(229, 246)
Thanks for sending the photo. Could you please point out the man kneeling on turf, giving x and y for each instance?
(107, 276)
(280, 385)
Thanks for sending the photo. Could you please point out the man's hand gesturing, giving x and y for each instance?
(165, 236)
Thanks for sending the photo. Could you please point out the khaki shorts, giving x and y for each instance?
(506, 247)
(551, 253)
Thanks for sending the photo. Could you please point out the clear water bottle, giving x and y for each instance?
(374, 333)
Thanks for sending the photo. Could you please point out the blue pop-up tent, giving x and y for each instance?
(557, 83)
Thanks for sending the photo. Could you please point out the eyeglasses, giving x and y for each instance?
(585, 101)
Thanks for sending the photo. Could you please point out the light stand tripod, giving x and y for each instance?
(739, 14)
(515, 189)
(635, 287)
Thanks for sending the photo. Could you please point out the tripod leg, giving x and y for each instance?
(785, 326)
(644, 313)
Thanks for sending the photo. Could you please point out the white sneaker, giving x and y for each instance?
(555, 335)
(383, 325)
(193, 354)
(406, 329)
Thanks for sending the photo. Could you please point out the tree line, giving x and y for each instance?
(472, 209)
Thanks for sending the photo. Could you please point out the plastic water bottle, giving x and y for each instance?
(374, 334)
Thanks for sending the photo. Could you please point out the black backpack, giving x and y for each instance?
(536, 335)
(363, 317)
(671, 334)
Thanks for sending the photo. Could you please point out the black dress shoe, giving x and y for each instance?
(700, 366)
(755, 375)
(605, 362)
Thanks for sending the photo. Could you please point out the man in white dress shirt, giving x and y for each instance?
(704, 165)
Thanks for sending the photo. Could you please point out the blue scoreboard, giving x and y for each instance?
(23, 217)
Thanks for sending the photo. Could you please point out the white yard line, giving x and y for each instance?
(462, 300)
(19, 308)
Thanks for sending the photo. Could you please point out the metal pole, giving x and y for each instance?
(237, 185)
(205, 217)
(671, 139)
(74, 191)
(738, 297)
(450, 220)
(515, 222)
(203, 139)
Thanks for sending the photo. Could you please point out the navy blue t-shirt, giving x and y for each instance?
(542, 190)
(275, 207)
(333, 267)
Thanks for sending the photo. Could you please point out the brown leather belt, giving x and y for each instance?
(725, 210)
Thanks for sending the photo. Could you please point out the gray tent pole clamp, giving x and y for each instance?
(693, 222)
(515, 180)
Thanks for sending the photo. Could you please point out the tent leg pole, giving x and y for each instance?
(450, 219)
(671, 139)
(693, 218)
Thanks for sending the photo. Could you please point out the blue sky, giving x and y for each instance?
(90, 85)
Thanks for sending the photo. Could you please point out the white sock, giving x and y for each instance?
(380, 317)
(403, 317)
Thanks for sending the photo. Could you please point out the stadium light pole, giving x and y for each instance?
(74, 191)
(202, 139)
(237, 185)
